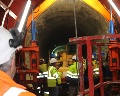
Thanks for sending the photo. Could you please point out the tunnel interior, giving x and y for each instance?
(56, 24)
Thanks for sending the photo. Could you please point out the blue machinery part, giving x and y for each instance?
(33, 29)
(111, 27)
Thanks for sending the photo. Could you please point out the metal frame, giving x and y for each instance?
(88, 41)
(34, 66)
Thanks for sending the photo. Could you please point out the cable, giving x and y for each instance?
(76, 35)
(75, 18)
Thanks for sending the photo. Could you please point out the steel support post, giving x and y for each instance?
(90, 67)
(81, 74)
(100, 71)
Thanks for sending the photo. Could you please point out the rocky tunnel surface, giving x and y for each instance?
(56, 24)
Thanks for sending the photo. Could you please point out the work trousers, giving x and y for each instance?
(73, 90)
(54, 91)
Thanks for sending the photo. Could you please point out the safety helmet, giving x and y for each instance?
(74, 57)
(52, 60)
(52, 56)
(93, 57)
(41, 60)
(5, 50)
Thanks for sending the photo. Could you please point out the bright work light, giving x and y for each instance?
(114, 6)
(20, 27)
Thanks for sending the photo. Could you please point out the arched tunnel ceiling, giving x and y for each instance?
(56, 24)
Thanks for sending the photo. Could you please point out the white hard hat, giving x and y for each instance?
(42, 60)
(52, 60)
(5, 50)
(74, 57)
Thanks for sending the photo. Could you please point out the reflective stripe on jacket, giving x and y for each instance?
(15, 91)
(73, 71)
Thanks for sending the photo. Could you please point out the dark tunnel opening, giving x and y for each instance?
(56, 25)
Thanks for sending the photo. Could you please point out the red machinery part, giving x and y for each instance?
(33, 51)
(88, 41)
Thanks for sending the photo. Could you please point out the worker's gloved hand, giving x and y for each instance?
(17, 38)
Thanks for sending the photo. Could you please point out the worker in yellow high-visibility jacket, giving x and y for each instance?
(42, 65)
(72, 75)
(53, 78)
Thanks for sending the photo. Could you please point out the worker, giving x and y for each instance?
(107, 74)
(44, 74)
(42, 66)
(57, 66)
(7, 66)
(53, 77)
(72, 76)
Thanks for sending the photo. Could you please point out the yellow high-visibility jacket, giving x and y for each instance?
(73, 71)
(53, 76)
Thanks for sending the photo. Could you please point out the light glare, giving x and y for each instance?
(114, 6)
(24, 15)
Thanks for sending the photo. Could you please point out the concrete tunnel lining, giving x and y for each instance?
(56, 24)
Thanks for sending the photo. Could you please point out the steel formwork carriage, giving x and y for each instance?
(114, 59)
